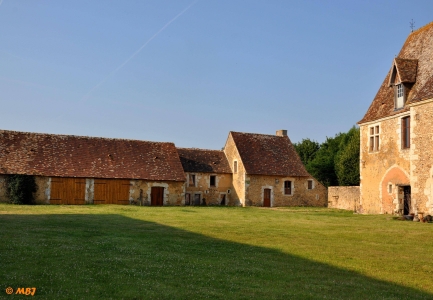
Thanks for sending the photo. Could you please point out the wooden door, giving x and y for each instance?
(157, 196)
(267, 197)
(407, 200)
(67, 190)
(111, 191)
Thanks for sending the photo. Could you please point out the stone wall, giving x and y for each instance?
(213, 195)
(379, 169)
(237, 196)
(42, 195)
(140, 190)
(301, 195)
(421, 149)
(344, 197)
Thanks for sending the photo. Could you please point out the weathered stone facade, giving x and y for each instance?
(140, 192)
(218, 194)
(249, 189)
(300, 194)
(238, 179)
(344, 197)
(390, 165)
(396, 160)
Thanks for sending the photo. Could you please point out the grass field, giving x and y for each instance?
(128, 252)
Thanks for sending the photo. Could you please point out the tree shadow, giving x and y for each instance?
(86, 256)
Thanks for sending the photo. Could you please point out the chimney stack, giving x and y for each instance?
(282, 132)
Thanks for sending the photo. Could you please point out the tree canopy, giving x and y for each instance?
(335, 161)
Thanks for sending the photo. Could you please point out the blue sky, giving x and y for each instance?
(207, 67)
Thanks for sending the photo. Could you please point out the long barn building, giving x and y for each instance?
(86, 170)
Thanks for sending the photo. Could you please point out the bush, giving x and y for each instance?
(21, 189)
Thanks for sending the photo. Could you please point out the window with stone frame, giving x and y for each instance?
(399, 96)
(374, 138)
(287, 187)
(405, 132)
(310, 185)
(191, 179)
(212, 181)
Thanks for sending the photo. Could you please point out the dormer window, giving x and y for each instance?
(399, 99)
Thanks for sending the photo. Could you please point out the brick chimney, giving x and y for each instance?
(282, 132)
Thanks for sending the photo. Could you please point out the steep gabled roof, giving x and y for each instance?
(203, 160)
(414, 65)
(403, 71)
(264, 154)
(90, 157)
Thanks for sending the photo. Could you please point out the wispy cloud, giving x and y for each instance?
(86, 96)
(1, 1)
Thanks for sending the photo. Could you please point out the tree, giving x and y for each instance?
(347, 163)
(335, 161)
(21, 189)
(307, 150)
(322, 167)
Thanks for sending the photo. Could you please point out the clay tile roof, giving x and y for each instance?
(264, 154)
(406, 69)
(203, 160)
(414, 64)
(89, 157)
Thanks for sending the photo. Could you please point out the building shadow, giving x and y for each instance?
(86, 256)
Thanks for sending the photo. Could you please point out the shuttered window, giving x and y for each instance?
(405, 134)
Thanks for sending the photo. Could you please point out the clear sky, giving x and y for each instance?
(190, 71)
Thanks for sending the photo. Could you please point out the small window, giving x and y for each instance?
(310, 184)
(213, 180)
(390, 188)
(191, 180)
(374, 138)
(235, 166)
(400, 96)
(405, 132)
(287, 187)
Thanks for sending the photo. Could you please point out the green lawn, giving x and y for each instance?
(128, 252)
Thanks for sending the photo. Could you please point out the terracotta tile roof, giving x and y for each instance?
(415, 68)
(90, 157)
(203, 160)
(406, 69)
(264, 154)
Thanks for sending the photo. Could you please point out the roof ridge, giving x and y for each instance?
(81, 136)
(426, 26)
(198, 149)
(274, 135)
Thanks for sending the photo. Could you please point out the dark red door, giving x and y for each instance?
(267, 197)
(157, 196)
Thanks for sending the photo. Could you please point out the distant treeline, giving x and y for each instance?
(335, 162)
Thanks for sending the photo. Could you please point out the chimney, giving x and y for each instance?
(282, 132)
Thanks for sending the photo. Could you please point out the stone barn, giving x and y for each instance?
(87, 170)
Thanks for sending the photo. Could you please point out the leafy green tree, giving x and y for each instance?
(21, 189)
(307, 150)
(347, 162)
(322, 167)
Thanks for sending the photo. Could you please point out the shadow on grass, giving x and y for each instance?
(116, 257)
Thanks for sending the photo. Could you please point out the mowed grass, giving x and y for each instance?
(128, 252)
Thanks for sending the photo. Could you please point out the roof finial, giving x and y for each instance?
(412, 25)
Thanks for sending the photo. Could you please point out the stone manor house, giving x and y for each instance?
(396, 160)
(251, 170)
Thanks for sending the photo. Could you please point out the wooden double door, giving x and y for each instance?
(67, 190)
(157, 196)
(111, 191)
